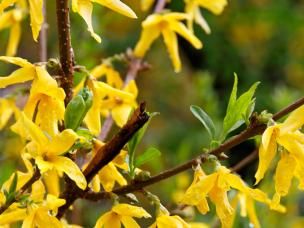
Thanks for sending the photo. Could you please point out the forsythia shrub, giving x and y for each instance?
(63, 129)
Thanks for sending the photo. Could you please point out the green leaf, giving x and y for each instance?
(13, 185)
(147, 156)
(202, 116)
(136, 139)
(238, 110)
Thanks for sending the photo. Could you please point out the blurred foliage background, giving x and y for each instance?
(260, 40)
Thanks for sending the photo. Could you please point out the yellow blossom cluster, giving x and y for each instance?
(289, 140)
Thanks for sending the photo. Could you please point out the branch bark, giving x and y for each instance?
(255, 128)
(105, 155)
(65, 48)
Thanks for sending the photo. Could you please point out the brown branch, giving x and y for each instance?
(65, 48)
(105, 155)
(255, 128)
(26, 186)
(245, 161)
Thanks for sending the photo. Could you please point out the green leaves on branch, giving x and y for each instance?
(147, 156)
(239, 109)
(11, 193)
(203, 117)
(132, 145)
(238, 112)
(78, 108)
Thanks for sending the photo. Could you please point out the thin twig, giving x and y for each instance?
(245, 161)
(106, 128)
(43, 36)
(255, 128)
(160, 5)
(65, 48)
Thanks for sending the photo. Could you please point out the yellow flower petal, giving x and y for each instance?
(51, 180)
(45, 79)
(284, 173)
(182, 30)
(129, 222)
(14, 39)
(109, 219)
(170, 40)
(36, 13)
(44, 219)
(215, 6)
(201, 21)
(267, 151)
(16, 61)
(53, 202)
(109, 175)
(146, 4)
(294, 121)
(223, 208)
(33, 131)
(117, 6)
(18, 76)
(85, 8)
(67, 166)
(147, 37)
(62, 142)
(13, 216)
(196, 192)
(121, 114)
(129, 210)
(5, 4)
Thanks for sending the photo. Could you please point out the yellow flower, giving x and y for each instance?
(216, 186)
(7, 109)
(291, 164)
(48, 152)
(108, 175)
(121, 214)
(164, 220)
(247, 209)
(12, 19)
(166, 25)
(146, 4)
(85, 8)
(51, 100)
(107, 99)
(192, 8)
(39, 213)
(7, 3)
(36, 13)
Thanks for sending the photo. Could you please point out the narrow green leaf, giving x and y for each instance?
(203, 117)
(239, 110)
(132, 144)
(233, 94)
(147, 156)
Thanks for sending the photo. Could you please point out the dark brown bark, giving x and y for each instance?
(65, 48)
